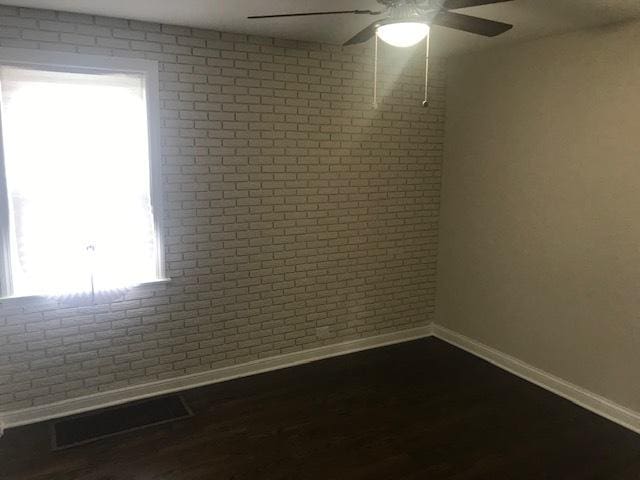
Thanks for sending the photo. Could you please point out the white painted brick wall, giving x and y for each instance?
(296, 215)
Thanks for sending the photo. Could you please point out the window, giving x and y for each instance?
(76, 190)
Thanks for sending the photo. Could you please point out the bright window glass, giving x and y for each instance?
(77, 171)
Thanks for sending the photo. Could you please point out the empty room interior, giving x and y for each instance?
(319, 239)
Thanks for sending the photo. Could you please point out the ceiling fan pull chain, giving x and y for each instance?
(375, 73)
(425, 103)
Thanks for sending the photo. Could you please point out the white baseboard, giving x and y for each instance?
(584, 398)
(137, 392)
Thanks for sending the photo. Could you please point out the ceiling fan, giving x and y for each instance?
(406, 22)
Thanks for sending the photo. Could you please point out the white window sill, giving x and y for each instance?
(27, 298)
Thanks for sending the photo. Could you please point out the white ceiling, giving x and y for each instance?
(532, 18)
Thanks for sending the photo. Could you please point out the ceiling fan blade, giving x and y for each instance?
(467, 23)
(309, 14)
(455, 4)
(364, 34)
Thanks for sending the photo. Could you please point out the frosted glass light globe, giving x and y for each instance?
(403, 34)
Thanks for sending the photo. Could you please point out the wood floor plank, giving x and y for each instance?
(419, 410)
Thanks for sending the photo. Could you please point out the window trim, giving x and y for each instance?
(72, 62)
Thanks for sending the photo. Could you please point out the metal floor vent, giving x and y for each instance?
(89, 427)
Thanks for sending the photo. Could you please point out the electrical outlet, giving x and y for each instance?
(323, 332)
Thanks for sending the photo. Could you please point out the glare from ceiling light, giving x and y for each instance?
(403, 34)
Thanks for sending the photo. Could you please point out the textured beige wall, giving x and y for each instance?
(296, 215)
(540, 229)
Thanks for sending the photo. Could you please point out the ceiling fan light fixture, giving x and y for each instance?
(403, 34)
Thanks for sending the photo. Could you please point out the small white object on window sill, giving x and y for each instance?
(30, 298)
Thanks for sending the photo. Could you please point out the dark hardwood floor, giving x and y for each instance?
(420, 410)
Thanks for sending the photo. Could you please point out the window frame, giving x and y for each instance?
(75, 62)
